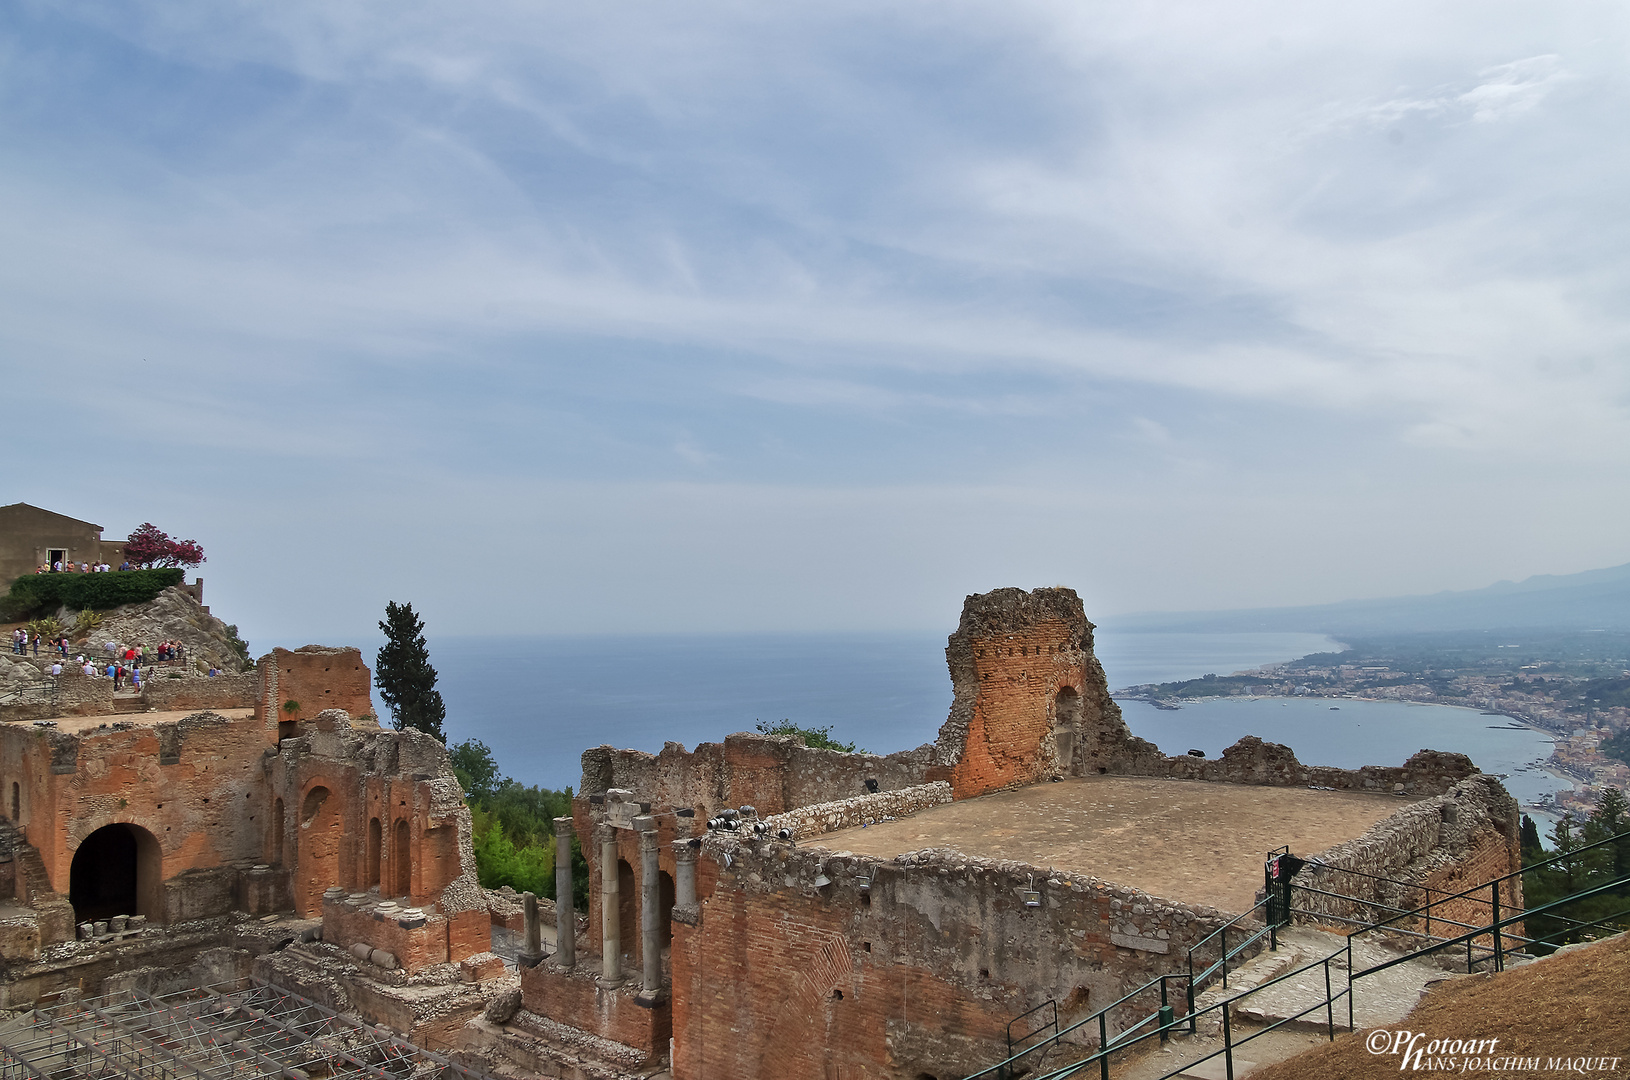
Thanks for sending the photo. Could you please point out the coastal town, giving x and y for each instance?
(1573, 687)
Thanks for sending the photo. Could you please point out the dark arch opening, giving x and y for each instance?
(628, 910)
(401, 865)
(1066, 711)
(117, 870)
(376, 840)
(665, 908)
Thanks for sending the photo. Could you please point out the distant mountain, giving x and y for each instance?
(1591, 600)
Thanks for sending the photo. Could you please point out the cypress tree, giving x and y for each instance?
(403, 673)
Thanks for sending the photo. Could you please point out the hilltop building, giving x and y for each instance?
(31, 537)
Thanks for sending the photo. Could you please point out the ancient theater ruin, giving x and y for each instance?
(757, 908)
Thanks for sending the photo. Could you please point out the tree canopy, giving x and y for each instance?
(403, 673)
(151, 546)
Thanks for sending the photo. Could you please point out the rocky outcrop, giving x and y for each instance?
(173, 615)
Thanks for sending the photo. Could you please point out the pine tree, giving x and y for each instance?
(1532, 850)
(403, 673)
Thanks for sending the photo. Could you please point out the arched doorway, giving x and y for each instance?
(117, 870)
(401, 862)
(1066, 711)
(376, 842)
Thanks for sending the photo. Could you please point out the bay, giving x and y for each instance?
(539, 702)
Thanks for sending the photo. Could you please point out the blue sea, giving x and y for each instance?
(539, 702)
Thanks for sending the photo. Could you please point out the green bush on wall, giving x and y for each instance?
(94, 592)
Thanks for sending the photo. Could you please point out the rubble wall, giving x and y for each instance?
(769, 772)
(192, 692)
(1253, 761)
(811, 821)
(1447, 843)
(918, 973)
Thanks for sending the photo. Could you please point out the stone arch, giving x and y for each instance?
(318, 848)
(401, 859)
(1066, 717)
(117, 870)
(805, 1013)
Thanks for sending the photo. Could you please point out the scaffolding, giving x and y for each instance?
(213, 1033)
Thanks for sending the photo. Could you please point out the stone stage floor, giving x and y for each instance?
(1185, 840)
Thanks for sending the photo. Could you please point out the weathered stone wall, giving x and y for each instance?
(315, 678)
(918, 971)
(1447, 843)
(1253, 761)
(772, 773)
(811, 821)
(83, 695)
(195, 692)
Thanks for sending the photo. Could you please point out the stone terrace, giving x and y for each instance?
(1186, 840)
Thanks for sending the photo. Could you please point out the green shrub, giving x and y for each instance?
(87, 621)
(96, 592)
(291, 706)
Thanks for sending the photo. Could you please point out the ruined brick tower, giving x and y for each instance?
(1030, 699)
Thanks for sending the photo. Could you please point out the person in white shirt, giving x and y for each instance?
(89, 669)
(56, 668)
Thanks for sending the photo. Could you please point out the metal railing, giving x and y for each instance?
(1162, 1022)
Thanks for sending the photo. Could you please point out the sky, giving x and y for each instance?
(649, 317)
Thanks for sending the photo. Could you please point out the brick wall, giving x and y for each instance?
(316, 678)
(577, 999)
(917, 973)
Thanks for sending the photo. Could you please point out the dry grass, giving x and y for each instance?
(1567, 1006)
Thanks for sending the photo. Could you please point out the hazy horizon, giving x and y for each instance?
(810, 319)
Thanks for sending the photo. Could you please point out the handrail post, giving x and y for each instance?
(1192, 1028)
(1428, 911)
(1165, 1013)
(1350, 984)
(1103, 1047)
(1228, 1043)
(1329, 1005)
(1499, 951)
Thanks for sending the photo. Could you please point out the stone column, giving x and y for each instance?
(565, 919)
(611, 946)
(532, 949)
(684, 874)
(650, 904)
